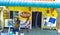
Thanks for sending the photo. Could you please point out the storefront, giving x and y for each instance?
(39, 17)
(39, 14)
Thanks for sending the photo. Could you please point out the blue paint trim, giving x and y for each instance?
(40, 4)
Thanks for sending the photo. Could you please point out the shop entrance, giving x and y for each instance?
(36, 19)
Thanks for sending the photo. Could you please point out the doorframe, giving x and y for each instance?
(41, 18)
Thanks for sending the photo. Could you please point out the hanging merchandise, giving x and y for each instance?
(15, 14)
(17, 33)
(51, 10)
(4, 33)
(58, 31)
(45, 21)
(10, 33)
(11, 14)
(22, 33)
(9, 23)
(50, 21)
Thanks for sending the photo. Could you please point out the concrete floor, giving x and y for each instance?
(41, 32)
(38, 31)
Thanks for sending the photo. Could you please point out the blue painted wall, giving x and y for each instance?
(33, 4)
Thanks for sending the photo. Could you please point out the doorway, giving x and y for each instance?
(36, 19)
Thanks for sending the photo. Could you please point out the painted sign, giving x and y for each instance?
(50, 21)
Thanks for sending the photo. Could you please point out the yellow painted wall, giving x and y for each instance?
(26, 9)
(21, 9)
(55, 13)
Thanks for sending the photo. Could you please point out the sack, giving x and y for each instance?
(16, 25)
(4, 33)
